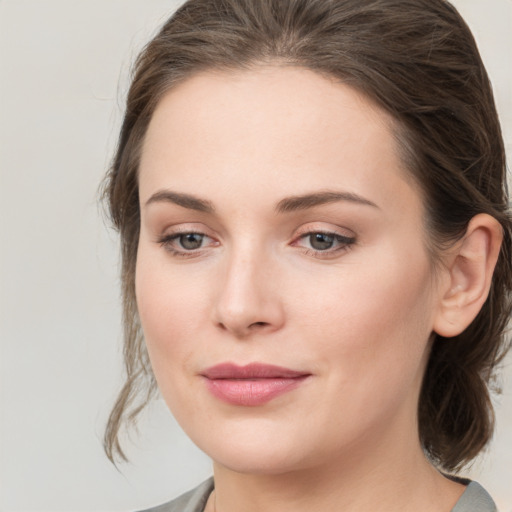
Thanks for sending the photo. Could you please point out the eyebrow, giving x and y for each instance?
(286, 205)
(184, 200)
(303, 202)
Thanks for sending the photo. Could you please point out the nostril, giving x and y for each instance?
(258, 324)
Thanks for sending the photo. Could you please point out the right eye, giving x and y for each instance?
(190, 241)
(186, 243)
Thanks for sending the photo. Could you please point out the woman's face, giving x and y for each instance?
(282, 279)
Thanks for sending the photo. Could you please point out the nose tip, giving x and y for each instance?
(248, 301)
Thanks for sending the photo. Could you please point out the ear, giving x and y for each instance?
(469, 267)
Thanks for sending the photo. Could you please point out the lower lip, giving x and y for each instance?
(252, 392)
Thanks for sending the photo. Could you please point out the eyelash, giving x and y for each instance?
(345, 243)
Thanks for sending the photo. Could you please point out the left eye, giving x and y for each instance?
(320, 241)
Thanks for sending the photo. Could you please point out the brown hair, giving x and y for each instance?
(418, 61)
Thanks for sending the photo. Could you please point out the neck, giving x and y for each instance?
(381, 476)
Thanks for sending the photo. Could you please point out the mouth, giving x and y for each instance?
(251, 385)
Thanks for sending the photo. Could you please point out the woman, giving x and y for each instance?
(316, 251)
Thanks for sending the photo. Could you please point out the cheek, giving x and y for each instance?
(375, 322)
(170, 312)
(370, 337)
(368, 295)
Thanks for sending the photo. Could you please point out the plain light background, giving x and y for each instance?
(63, 77)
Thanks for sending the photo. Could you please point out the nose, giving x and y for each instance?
(248, 299)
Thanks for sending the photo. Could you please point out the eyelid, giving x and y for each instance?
(185, 228)
(324, 228)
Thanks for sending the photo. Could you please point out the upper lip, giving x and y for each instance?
(251, 371)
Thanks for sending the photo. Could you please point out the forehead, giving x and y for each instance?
(271, 103)
(277, 128)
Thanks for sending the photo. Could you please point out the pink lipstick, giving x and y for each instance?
(253, 384)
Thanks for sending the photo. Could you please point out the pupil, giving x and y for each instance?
(191, 241)
(321, 241)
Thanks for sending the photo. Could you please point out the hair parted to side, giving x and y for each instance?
(418, 61)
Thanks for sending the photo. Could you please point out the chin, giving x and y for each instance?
(256, 450)
(257, 461)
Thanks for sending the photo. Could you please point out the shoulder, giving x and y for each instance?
(191, 501)
(475, 499)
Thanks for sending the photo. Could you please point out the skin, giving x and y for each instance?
(357, 317)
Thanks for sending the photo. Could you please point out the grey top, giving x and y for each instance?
(474, 499)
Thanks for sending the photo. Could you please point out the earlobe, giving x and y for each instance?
(470, 268)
